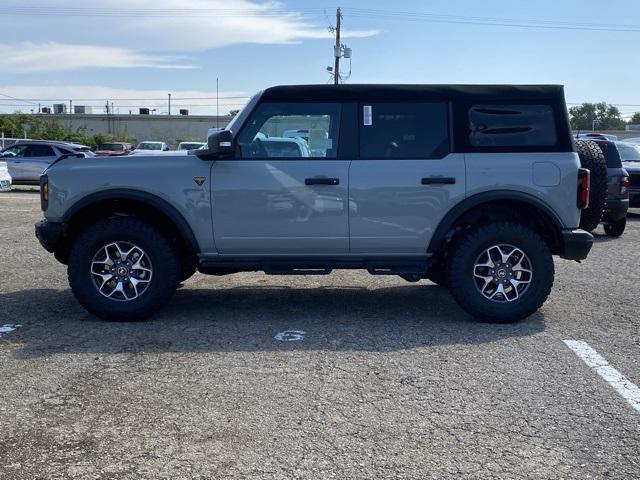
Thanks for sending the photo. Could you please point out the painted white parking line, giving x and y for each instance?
(621, 384)
(7, 328)
(290, 336)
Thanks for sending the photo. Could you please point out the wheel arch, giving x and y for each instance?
(110, 202)
(523, 206)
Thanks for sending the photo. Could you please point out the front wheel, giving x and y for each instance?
(123, 269)
(615, 229)
(501, 272)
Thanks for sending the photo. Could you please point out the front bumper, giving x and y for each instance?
(577, 244)
(615, 210)
(49, 234)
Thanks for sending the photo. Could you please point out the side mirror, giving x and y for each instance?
(219, 145)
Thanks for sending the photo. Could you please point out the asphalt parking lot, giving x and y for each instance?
(342, 376)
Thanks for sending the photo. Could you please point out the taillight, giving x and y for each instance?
(584, 182)
(625, 183)
(44, 192)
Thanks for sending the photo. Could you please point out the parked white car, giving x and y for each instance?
(5, 178)
(190, 145)
(152, 146)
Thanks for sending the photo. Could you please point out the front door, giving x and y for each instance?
(405, 179)
(36, 160)
(286, 191)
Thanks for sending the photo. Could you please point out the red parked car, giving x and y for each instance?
(113, 149)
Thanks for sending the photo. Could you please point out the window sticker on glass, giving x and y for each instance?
(367, 115)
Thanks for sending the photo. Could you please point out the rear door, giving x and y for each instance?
(405, 179)
(283, 195)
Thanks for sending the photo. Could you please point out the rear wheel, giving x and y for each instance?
(123, 269)
(500, 272)
(591, 157)
(615, 229)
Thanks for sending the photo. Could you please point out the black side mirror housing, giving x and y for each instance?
(219, 145)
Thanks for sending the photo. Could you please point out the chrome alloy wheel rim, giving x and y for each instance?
(502, 273)
(121, 271)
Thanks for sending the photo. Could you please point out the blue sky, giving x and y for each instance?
(132, 54)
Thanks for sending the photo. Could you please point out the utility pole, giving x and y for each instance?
(337, 51)
(217, 104)
(169, 104)
(70, 106)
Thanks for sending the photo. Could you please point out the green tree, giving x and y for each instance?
(635, 120)
(600, 116)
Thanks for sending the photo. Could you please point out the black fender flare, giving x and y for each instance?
(473, 201)
(149, 199)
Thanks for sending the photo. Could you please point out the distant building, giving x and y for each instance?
(59, 108)
(164, 128)
(82, 109)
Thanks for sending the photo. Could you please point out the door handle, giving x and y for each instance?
(438, 181)
(321, 181)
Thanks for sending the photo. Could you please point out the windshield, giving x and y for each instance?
(114, 147)
(150, 146)
(628, 152)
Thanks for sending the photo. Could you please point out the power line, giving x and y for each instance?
(489, 21)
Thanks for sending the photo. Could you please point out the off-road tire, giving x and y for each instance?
(163, 257)
(467, 250)
(615, 229)
(591, 157)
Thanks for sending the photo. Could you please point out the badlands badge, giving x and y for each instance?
(199, 180)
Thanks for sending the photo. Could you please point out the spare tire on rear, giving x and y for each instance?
(591, 157)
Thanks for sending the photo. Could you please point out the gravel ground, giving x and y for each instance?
(388, 380)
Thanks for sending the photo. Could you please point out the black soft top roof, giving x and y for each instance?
(368, 92)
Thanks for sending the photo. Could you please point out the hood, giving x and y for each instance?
(631, 166)
(109, 152)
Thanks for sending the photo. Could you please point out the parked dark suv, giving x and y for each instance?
(614, 217)
(630, 155)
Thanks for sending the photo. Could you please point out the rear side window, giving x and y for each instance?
(40, 151)
(512, 126)
(404, 130)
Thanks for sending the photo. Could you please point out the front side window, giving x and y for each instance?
(404, 130)
(291, 130)
(16, 151)
(512, 126)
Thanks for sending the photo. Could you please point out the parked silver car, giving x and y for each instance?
(27, 160)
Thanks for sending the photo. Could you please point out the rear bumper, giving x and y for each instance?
(49, 234)
(615, 210)
(577, 244)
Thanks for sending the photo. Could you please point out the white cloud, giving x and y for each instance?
(191, 27)
(198, 102)
(28, 57)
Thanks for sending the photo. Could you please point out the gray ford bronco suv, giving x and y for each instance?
(475, 187)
